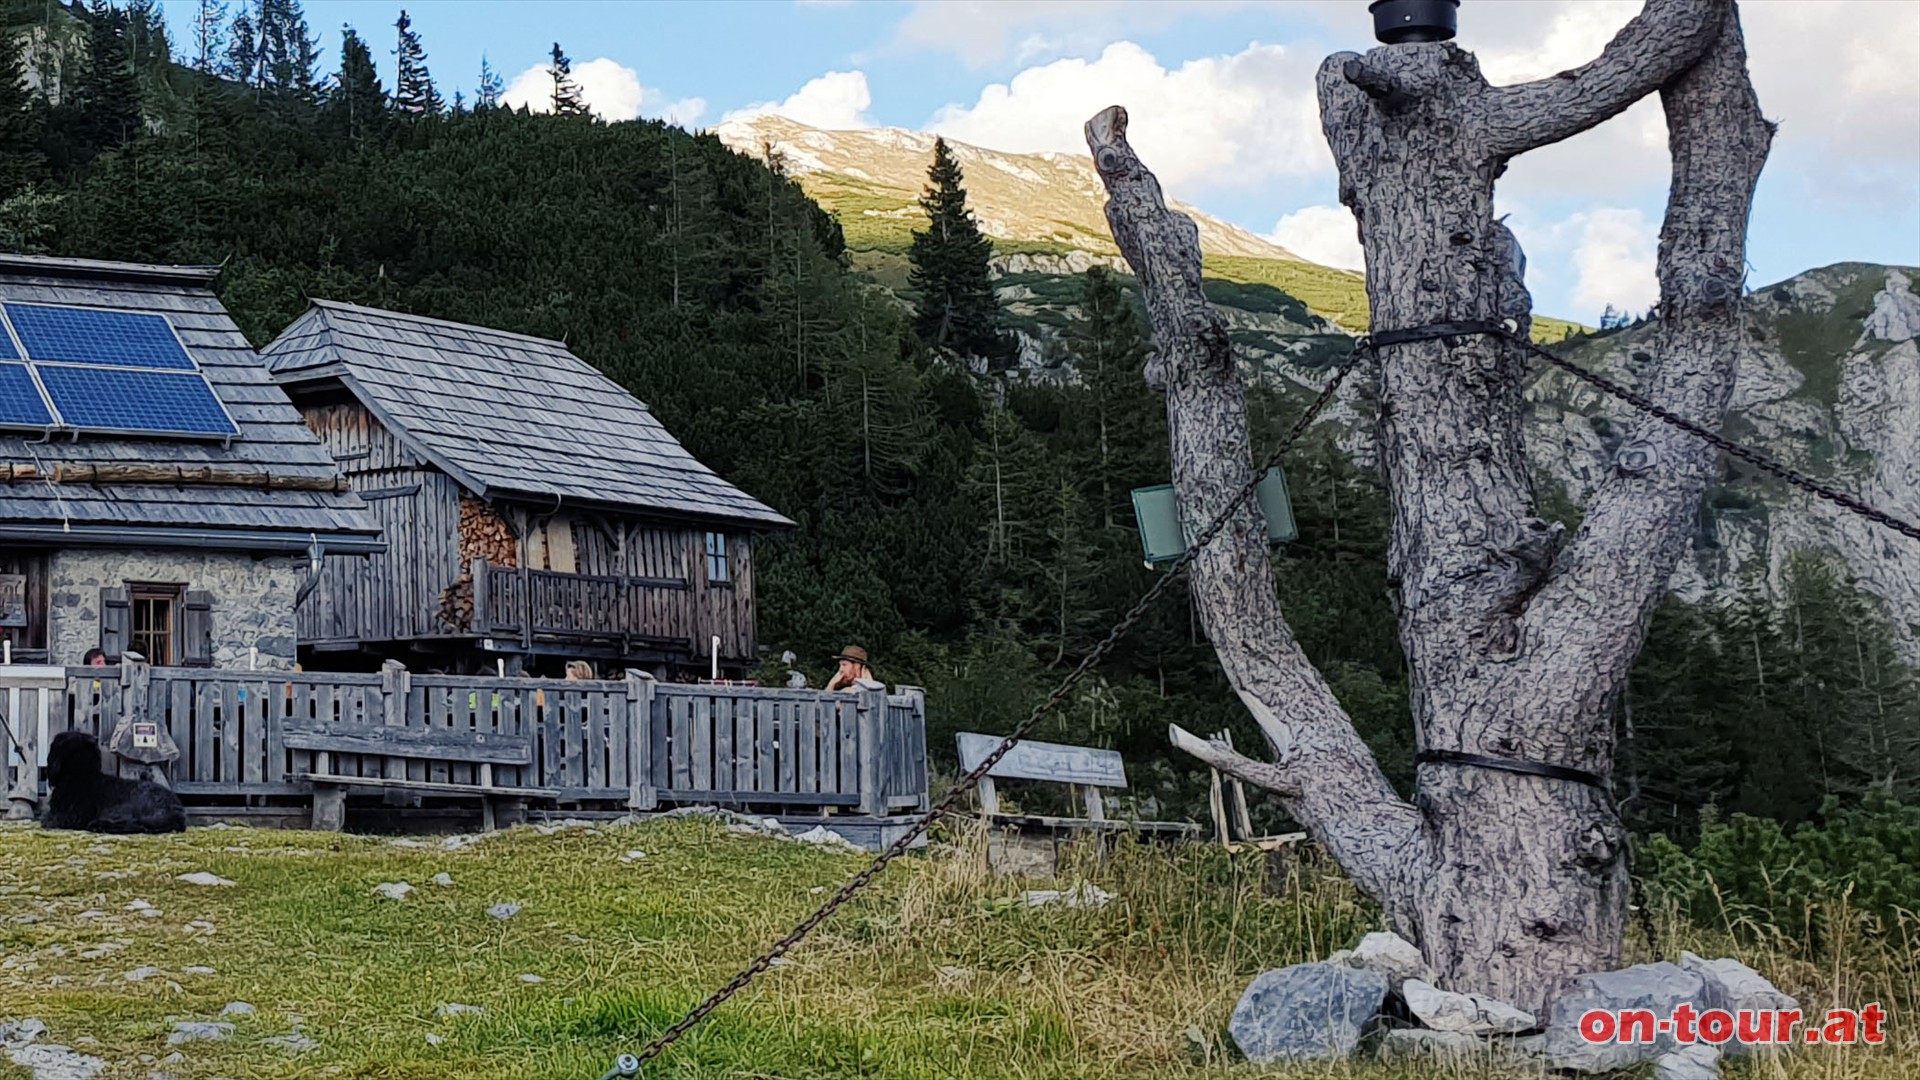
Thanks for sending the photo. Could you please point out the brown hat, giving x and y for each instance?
(856, 654)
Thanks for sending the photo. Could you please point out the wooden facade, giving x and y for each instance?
(599, 586)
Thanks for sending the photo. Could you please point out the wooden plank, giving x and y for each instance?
(722, 743)
(411, 742)
(658, 729)
(600, 770)
(767, 733)
(250, 708)
(205, 698)
(553, 738)
(744, 751)
(416, 785)
(846, 773)
(1044, 761)
(232, 731)
(792, 798)
(578, 717)
(806, 766)
(192, 764)
(702, 724)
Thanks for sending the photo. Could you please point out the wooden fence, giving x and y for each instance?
(634, 742)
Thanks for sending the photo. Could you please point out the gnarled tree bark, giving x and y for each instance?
(1515, 641)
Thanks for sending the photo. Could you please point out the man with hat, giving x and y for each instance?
(853, 668)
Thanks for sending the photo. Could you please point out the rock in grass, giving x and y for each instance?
(1656, 988)
(1455, 1049)
(186, 1031)
(1698, 1061)
(196, 969)
(443, 879)
(1307, 1012)
(454, 1008)
(393, 890)
(504, 912)
(434, 1040)
(295, 1043)
(238, 1008)
(532, 980)
(48, 1062)
(21, 1031)
(1390, 955)
(1443, 1010)
(1733, 986)
(141, 974)
(201, 877)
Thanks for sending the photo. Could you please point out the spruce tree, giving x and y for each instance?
(488, 96)
(957, 308)
(287, 50)
(109, 92)
(1126, 446)
(566, 93)
(413, 92)
(356, 105)
(242, 61)
(209, 35)
(21, 162)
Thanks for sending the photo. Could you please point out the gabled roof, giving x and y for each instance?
(273, 440)
(508, 416)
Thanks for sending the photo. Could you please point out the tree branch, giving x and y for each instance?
(1636, 524)
(1660, 43)
(1261, 774)
(1323, 772)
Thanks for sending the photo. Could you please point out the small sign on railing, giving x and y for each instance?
(1163, 536)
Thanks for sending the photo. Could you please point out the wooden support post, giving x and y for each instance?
(641, 794)
(395, 682)
(481, 622)
(872, 725)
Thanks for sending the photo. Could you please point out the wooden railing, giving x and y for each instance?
(546, 605)
(634, 743)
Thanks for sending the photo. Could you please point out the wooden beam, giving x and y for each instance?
(176, 475)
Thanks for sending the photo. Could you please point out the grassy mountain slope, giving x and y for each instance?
(1046, 216)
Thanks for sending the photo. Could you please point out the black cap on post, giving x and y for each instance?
(1397, 22)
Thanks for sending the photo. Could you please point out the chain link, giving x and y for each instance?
(629, 1066)
(1752, 457)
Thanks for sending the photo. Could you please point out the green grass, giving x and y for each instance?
(625, 947)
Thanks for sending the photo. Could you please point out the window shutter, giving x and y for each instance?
(116, 623)
(196, 630)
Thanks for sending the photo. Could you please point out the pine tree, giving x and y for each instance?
(1108, 349)
(413, 92)
(356, 104)
(957, 308)
(566, 93)
(147, 35)
(242, 61)
(487, 97)
(109, 91)
(209, 35)
(21, 162)
(287, 51)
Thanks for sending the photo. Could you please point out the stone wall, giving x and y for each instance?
(252, 599)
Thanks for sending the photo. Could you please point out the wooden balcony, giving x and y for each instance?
(625, 614)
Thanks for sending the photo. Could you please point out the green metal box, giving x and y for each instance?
(1163, 536)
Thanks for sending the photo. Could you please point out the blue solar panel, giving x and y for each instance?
(86, 336)
(6, 347)
(20, 404)
(114, 400)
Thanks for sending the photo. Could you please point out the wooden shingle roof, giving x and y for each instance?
(273, 439)
(507, 415)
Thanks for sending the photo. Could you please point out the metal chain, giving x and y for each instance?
(1753, 457)
(629, 1065)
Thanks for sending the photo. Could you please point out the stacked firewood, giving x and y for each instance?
(484, 534)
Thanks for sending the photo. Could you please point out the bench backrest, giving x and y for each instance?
(1045, 761)
(486, 747)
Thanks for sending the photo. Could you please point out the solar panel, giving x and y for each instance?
(150, 401)
(117, 372)
(20, 399)
(87, 336)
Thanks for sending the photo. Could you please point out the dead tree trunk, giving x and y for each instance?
(1511, 883)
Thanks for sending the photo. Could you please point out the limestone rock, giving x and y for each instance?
(1454, 1049)
(1307, 1012)
(1657, 988)
(1732, 985)
(504, 912)
(1694, 1062)
(1472, 1014)
(201, 877)
(1390, 955)
(186, 1031)
(393, 890)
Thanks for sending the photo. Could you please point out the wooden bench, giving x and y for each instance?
(1093, 771)
(485, 749)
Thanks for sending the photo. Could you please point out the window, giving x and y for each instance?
(154, 621)
(718, 572)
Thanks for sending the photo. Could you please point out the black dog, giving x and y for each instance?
(83, 797)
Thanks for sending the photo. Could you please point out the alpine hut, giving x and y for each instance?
(158, 493)
(536, 512)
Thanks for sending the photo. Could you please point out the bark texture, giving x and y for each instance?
(1515, 640)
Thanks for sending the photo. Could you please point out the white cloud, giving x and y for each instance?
(612, 90)
(981, 32)
(836, 101)
(1213, 122)
(1323, 234)
(1615, 259)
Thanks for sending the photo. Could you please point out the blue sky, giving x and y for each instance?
(1221, 94)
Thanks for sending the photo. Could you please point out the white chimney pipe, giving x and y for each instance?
(716, 658)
